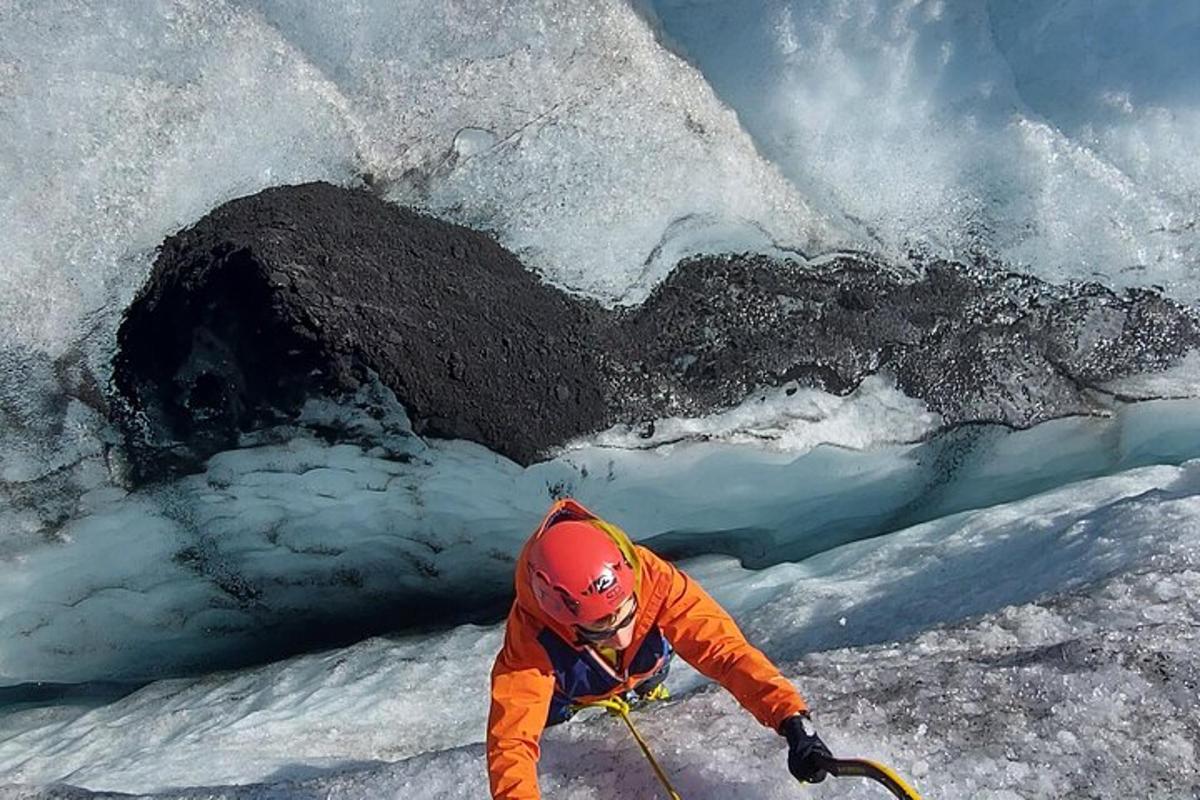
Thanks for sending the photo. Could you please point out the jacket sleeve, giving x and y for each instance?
(706, 637)
(522, 686)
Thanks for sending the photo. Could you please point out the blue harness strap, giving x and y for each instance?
(579, 673)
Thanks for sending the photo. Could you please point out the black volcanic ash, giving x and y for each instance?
(311, 289)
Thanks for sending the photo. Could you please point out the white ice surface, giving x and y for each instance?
(1075, 672)
(1058, 134)
(789, 419)
(565, 128)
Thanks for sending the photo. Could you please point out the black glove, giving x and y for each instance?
(805, 749)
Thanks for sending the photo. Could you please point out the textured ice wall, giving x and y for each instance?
(591, 151)
(1037, 697)
(125, 123)
(1060, 134)
(303, 543)
(562, 127)
(122, 123)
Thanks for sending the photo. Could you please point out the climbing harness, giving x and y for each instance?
(619, 707)
(862, 768)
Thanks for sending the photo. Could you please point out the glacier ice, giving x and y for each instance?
(1059, 135)
(1078, 658)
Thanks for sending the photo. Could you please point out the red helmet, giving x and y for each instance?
(578, 573)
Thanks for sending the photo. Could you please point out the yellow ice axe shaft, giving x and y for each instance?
(863, 768)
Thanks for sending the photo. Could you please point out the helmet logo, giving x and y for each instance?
(603, 582)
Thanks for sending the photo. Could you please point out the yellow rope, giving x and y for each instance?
(618, 707)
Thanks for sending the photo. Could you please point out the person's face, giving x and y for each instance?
(614, 630)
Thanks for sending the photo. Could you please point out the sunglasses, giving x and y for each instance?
(599, 635)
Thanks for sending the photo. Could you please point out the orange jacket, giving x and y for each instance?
(524, 677)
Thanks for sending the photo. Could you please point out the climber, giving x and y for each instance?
(597, 616)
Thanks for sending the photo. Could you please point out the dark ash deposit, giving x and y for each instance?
(312, 289)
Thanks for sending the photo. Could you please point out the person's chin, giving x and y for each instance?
(621, 640)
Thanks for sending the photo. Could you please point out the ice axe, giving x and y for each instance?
(864, 768)
(838, 767)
